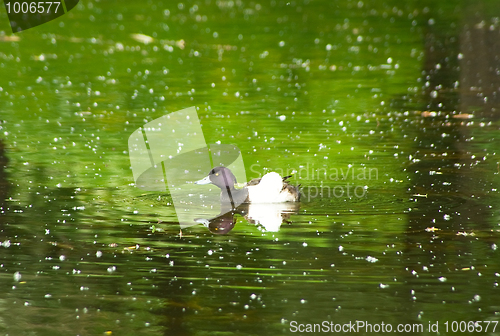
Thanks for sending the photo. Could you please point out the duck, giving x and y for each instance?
(270, 188)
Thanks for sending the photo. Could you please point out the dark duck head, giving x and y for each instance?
(223, 178)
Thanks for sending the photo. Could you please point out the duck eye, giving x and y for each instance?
(216, 174)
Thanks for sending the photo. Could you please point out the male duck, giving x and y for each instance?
(270, 188)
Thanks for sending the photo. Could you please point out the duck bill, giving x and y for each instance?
(205, 180)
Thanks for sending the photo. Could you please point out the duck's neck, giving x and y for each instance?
(229, 190)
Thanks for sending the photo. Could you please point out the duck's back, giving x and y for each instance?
(270, 189)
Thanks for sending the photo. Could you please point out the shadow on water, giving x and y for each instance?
(452, 222)
(4, 183)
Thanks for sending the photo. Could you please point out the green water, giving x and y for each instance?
(397, 99)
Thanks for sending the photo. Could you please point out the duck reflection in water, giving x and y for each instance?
(268, 217)
(266, 201)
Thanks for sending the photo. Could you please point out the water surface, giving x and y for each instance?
(387, 113)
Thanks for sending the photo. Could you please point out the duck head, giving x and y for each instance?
(222, 177)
